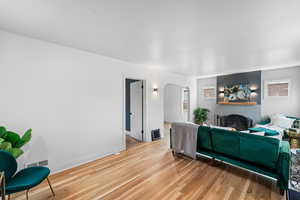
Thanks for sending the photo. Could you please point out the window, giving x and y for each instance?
(209, 93)
(277, 88)
(185, 102)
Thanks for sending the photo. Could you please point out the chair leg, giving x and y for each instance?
(50, 187)
(27, 194)
(281, 192)
(9, 197)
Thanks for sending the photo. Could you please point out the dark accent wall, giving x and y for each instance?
(250, 78)
(253, 79)
(127, 102)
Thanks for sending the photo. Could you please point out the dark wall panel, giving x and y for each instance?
(250, 78)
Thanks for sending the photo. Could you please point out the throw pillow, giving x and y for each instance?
(282, 121)
(258, 133)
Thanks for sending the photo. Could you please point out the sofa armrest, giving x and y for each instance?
(283, 165)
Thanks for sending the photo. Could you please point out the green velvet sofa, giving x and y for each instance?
(263, 155)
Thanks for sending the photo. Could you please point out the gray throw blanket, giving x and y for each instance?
(184, 138)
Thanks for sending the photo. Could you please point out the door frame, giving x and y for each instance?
(144, 111)
(183, 87)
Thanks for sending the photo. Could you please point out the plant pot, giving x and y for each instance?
(199, 123)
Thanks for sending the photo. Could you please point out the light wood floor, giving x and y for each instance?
(149, 171)
(131, 142)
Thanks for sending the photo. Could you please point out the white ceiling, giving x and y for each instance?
(193, 37)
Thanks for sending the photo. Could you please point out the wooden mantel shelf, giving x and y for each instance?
(238, 103)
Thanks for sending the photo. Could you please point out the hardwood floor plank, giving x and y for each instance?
(150, 171)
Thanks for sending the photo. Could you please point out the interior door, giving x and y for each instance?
(136, 110)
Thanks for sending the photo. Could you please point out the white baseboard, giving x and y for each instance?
(81, 161)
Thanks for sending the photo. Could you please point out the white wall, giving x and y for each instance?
(285, 105)
(173, 104)
(206, 103)
(73, 100)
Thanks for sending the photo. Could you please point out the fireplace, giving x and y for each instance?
(239, 122)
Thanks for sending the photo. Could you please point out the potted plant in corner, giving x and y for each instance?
(200, 115)
(12, 142)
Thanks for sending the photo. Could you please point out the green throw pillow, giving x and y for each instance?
(268, 132)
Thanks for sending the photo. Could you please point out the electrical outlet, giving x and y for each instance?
(32, 165)
(43, 163)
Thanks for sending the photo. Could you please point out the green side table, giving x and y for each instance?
(294, 138)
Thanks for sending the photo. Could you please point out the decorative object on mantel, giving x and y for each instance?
(12, 142)
(200, 115)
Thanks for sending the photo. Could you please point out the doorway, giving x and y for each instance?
(176, 103)
(176, 106)
(134, 112)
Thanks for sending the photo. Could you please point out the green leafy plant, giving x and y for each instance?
(200, 115)
(12, 142)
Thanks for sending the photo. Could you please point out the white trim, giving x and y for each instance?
(82, 161)
(267, 82)
(255, 68)
(145, 103)
(182, 101)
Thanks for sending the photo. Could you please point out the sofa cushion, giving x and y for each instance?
(203, 139)
(226, 142)
(260, 150)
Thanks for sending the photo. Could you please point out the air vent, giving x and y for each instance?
(32, 165)
(40, 163)
(43, 163)
(155, 134)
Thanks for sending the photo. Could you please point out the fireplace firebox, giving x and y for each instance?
(239, 122)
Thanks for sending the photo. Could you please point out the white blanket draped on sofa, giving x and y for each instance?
(184, 138)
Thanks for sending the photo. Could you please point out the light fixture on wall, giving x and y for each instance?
(253, 93)
(155, 91)
(221, 92)
(253, 90)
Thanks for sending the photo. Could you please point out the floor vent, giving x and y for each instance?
(155, 134)
(32, 165)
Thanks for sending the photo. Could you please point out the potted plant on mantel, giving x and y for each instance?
(200, 115)
(12, 142)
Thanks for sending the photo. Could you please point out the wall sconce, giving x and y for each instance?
(253, 92)
(155, 91)
(221, 92)
(253, 89)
